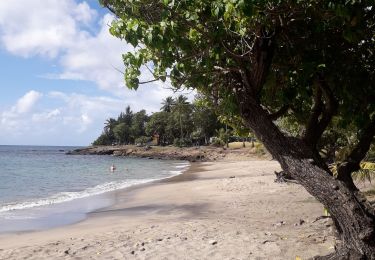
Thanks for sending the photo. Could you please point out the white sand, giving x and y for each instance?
(211, 217)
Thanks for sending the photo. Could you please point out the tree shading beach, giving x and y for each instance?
(311, 62)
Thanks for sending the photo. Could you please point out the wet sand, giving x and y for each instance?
(216, 210)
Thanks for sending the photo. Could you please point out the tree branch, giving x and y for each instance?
(310, 135)
(262, 55)
(330, 105)
(274, 116)
(148, 81)
(324, 110)
(234, 55)
(353, 160)
(109, 7)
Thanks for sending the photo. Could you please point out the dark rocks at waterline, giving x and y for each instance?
(192, 154)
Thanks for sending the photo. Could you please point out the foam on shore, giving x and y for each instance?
(92, 191)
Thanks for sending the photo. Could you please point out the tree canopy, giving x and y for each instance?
(310, 62)
(179, 122)
(319, 49)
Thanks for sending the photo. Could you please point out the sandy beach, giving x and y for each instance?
(216, 210)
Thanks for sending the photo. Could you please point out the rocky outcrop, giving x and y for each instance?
(172, 153)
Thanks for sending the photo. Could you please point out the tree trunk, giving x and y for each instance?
(181, 132)
(353, 216)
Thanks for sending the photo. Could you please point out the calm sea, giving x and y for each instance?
(38, 183)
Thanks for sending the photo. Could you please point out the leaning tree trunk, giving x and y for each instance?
(353, 216)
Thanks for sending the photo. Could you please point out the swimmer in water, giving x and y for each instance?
(112, 168)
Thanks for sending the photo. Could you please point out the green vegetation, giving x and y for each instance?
(179, 123)
(305, 65)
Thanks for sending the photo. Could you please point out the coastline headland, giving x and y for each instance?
(192, 154)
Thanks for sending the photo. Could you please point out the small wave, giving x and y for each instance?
(99, 189)
(183, 166)
(69, 196)
(16, 217)
(174, 173)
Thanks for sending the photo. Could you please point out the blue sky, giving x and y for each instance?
(58, 81)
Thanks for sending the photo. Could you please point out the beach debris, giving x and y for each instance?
(143, 249)
(279, 224)
(299, 223)
(321, 217)
(132, 252)
(212, 242)
(67, 251)
(267, 241)
(159, 239)
(268, 233)
(232, 177)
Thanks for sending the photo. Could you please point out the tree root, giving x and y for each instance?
(283, 176)
(343, 254)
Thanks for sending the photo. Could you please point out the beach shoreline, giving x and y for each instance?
(215, 210)
(31, 217)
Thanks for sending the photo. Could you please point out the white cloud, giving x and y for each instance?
(47, 116)
(14, 120)
(54, 29)
(78, 119)
(26, 103)
(97, 58)
(72, 35)
(39, 27)
(58, 118)
(83, 13)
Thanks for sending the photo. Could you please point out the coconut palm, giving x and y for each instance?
(180, 106)
(167, 103)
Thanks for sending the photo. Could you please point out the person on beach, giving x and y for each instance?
(112, 168)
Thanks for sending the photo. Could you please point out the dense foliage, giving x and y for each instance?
(308, 63)
(179, 122)
(207, 45)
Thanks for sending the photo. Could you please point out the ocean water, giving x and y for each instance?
(41, 186)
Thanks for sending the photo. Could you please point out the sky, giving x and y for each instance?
(59, 73)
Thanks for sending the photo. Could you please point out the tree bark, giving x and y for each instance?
(354, 217)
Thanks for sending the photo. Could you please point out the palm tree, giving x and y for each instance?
(110, 124)
(180, 104)
(167, 103)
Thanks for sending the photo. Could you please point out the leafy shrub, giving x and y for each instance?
(182, 142)
(142, 140)
(103, 139)
(215, 141)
